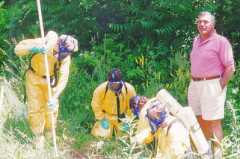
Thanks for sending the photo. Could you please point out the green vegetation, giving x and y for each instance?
(148, 40)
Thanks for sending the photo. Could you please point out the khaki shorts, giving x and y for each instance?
(207, 98)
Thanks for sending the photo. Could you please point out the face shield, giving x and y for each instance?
(66, 46)
(156, 114)
(135, 105)
(116, 86)
(115, 82)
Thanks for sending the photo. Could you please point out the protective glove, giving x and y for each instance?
(35, 50)
(52, 104)
(125, 127)
(104, 123)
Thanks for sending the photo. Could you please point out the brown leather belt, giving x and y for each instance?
(204, 78)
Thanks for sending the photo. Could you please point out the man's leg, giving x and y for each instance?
(212, 129)
(212, 104)
(205, 126)
(51, 123)
(217, 132)
(35, 106)
(216, 127)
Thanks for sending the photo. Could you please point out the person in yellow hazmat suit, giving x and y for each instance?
(110, 104)
(170, 137)
(39, 106)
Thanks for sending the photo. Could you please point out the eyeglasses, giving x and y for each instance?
(202, 21)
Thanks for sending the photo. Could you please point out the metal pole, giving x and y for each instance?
(1, 96)
(47, 75)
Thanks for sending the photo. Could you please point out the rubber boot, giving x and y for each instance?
(48, 135)
(39, 142)
(48, 139)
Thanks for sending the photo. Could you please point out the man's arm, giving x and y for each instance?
(131, 92)
(226, 56)
(179, 137)
(143, 134)
(96, 103)
(63, 77)
(24, 47)
(227, 75)
(28, 46)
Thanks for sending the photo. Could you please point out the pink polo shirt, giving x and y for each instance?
(210, 57)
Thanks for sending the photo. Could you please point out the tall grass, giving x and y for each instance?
(15, 135)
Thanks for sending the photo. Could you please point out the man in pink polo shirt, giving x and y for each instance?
(212, 66)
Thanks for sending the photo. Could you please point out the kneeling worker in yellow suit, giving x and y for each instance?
(110, 104)
(39, 106)
(169, 135)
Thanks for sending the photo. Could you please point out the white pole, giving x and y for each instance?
(1, 96)
(47, 75)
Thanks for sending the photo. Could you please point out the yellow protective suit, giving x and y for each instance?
(104, 105)
(172, 140)
(39, 116)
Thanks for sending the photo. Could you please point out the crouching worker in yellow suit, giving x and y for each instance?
(169, 136)
(110, 104)
(58, 50)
